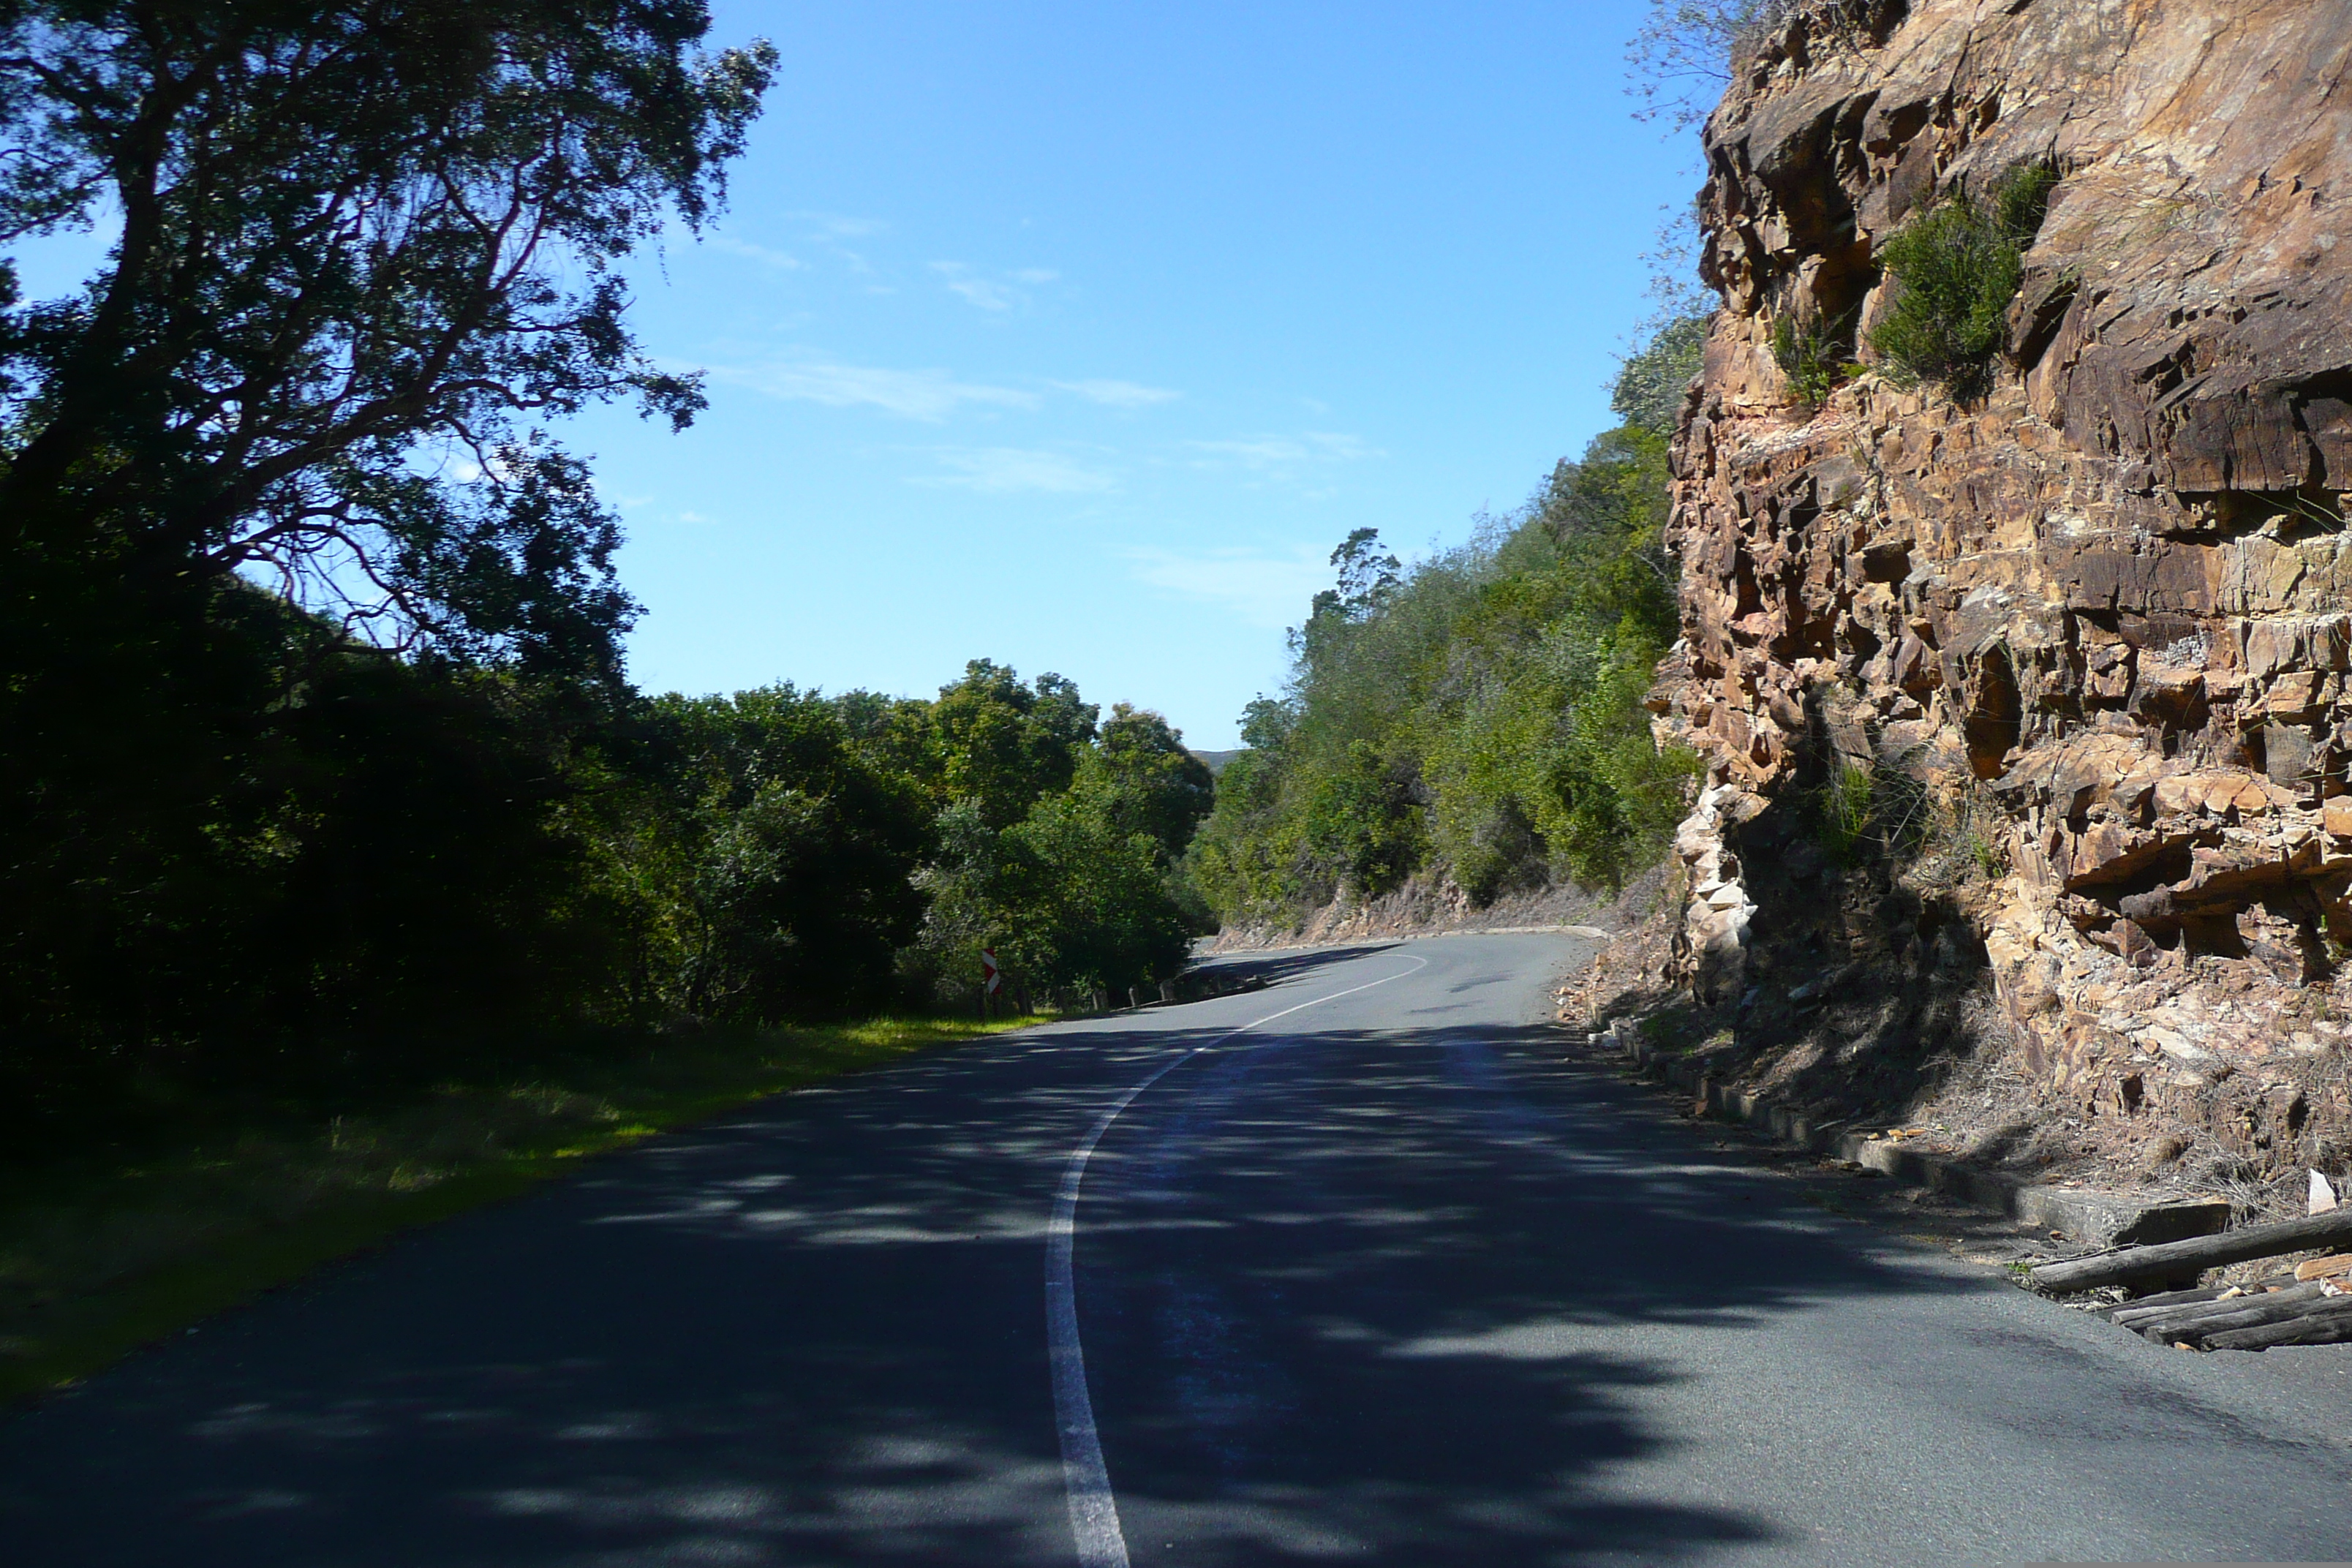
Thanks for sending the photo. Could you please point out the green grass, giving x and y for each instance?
(1816, 360)
(100, 1255)
(1846, 812)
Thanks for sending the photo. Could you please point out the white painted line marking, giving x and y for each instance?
(1094, 1511)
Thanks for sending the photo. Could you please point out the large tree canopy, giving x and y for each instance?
(362, 252)
(364, 246)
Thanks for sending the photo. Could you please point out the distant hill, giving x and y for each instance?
(1217, 759)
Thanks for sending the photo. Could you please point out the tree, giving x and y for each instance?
(1687, 50)
(1057, 842)
(1650, 387)
(363, 246)
(1268, 723)
(274, 492)
(1004, 745)
(1368, 574)
(769, 856)
(1069, 904)
(1140, 778)
(1481, 715)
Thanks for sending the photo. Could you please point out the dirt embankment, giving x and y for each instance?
(1428, 904)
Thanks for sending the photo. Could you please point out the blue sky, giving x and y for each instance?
(1076, 337)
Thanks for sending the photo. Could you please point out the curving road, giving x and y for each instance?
(1355, 1269)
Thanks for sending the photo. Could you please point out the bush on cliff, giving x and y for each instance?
(1956, 267)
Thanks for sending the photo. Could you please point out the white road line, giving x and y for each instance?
(1094, 1511)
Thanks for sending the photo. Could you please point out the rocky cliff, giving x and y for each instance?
(2086, 631)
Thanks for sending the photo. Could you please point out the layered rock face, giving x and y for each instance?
(2103, 610)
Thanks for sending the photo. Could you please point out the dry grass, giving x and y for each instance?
(99, 1254)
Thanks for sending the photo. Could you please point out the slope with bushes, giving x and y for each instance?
(1479, 715)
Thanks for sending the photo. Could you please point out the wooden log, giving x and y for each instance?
(2317, 1325)
(2193, 1324)
(2335, 1268)
(2146, 1306)
(2206, 1295)
(2179, 1319)
(2172, 1259)
(2138, 1319)
(2181, 1297)
(2117, 1312)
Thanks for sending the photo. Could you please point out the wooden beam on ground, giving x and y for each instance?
(2137, 1317)
(2194, 1323)
(2173, 1258)
(2319, 1324)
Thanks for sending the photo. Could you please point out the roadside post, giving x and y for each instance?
(991, 979)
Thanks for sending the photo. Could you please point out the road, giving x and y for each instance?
(1362, 1270)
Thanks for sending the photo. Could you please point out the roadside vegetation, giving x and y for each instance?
(1479, 715)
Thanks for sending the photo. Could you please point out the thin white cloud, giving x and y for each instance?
(831, 232)
(976, 290)
(931, 395)
(1268, 453)
(1119, 393)
(775, 260)
(991, 293)
(838, 225)
(1263, 452)
(1012, 470)
(1261, 588)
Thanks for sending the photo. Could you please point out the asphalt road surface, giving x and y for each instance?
(1383, 1278)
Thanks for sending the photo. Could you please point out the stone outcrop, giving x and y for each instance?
(2102, 611)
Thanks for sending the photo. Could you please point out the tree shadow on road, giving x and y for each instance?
(1346, 1294)
(1279, 966)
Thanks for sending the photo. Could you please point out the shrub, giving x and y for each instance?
(1957, 266)
(1814, 359)
(1652, 384)
(1862, 807)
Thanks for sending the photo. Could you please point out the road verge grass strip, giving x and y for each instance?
(101, 1255)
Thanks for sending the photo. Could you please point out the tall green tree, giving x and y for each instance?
(1057, 843)
(1004, 745)
(276, 483)
(777, 878)
(363, 248)
(1138, 778)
